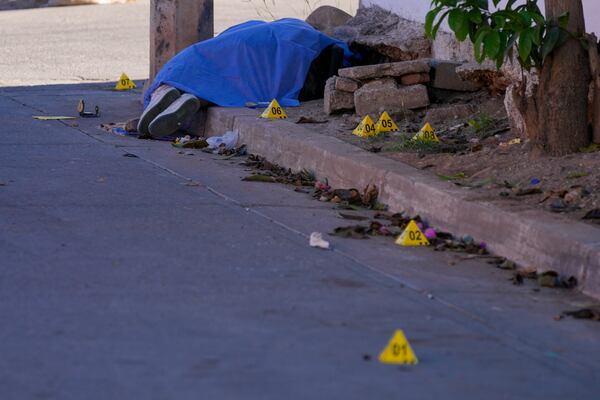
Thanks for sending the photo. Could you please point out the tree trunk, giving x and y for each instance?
(557, 114)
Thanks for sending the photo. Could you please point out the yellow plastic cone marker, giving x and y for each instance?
(412, 236)
(274, 111)
(366, 128)
(427, 134)
(398, 351)
(125, 83)
(386, 124)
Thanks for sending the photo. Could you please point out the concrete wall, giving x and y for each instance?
(416, 9)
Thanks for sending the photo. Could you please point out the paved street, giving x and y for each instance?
(97, 43)
(164, 276)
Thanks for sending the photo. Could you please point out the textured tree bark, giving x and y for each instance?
(594, 95)
(557, 115)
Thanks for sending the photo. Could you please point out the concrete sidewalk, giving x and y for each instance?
(163, 275)
(531, 238)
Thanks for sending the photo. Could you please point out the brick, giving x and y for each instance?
(336, 100)
(375, 71)
(386, 95)
(415, 79)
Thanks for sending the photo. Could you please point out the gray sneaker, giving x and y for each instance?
(171, 119)
(162, 98)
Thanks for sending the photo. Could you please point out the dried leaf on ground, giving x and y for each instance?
(594, 214)
(260, 178)
(310, 120)
(584, 313)
(353, 217)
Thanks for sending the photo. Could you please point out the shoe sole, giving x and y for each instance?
(161, 105)
(167, 123)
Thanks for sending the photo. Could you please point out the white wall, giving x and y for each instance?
(416, 10)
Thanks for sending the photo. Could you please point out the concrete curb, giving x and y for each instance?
(26, 4)
(532, 238)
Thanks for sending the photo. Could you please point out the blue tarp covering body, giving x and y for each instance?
(252, 62)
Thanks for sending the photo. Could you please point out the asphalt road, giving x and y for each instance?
(98, 42)
(161, 275)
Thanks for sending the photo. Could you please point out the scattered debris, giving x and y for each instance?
(187, 142)
(584, 313)
(52, 117)
(278, 173)
(310, 120)
(593, 215)
(260, 178)
(353, 217)
(316, 240)
(87, 114)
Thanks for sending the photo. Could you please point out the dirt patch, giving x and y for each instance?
(479, 153)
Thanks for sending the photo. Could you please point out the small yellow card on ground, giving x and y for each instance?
(386, 124)
(412, 236)
(427, 134)
(366, 128)
(274, 111)
(125, 83)
(398, 351)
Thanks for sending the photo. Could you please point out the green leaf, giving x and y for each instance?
(475, 16)
(550, 42)
(430, 18)
(479, 54)
(459, 23)
(492, 44)
(525, 45)
(563, 20)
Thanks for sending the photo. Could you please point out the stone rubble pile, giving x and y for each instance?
(395, 87)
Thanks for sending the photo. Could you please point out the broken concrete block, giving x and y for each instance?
(387, 36)
(415, 79)
(375, 71)
(346, 85)
(386, 95)
(446, 77)
(336, 100)
(485, 75)
(327, 18)
(448, 114)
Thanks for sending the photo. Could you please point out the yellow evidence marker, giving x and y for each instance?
(386, 124)
(412, 236)
(125, 83)
(427, 134)
(274, 111)
(398, 351)
(366, 128)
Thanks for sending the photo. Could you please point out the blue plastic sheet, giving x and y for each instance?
(252, 62)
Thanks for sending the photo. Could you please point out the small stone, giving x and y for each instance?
(558, 205)
(327, 18)
(574, 196)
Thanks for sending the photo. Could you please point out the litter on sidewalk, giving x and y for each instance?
(52, 117)
(316, 240)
